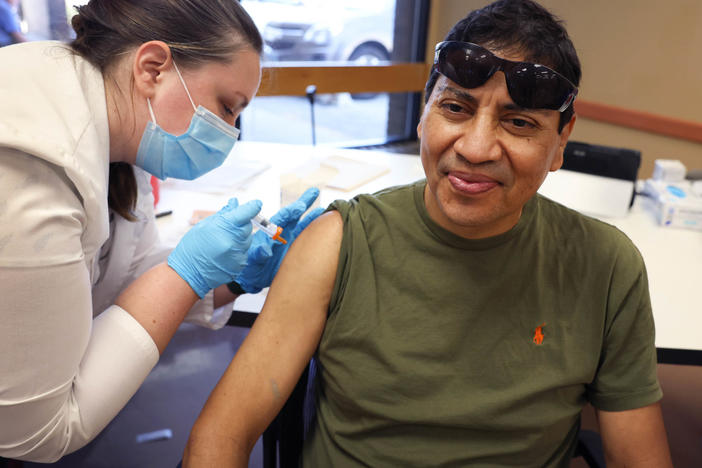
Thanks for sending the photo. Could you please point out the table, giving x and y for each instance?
(673, 256)
(673, 259)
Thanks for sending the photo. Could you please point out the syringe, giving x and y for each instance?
(269, 228)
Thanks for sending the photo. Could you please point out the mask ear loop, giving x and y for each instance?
(185, 86)
(151, 110)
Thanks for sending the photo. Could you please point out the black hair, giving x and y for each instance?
(521, 26)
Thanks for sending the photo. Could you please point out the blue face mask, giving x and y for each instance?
(203, 147)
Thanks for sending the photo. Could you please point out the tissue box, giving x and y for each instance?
(669, 170)
(674, 205)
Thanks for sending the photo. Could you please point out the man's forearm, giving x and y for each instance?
(635, 438)
(206, 450)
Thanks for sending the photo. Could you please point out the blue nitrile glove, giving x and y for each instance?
(266, 254)
(214, 251)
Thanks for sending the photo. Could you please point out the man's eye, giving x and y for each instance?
(453, 107)
(521, 123)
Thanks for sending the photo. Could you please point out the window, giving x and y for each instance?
(311, 33)
(348, 32)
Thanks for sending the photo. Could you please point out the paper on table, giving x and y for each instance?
(294, 183)
(351, 173)
(229, 176)
(333, 171)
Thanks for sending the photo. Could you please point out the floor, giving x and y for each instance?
(170, 398)
(174, 392)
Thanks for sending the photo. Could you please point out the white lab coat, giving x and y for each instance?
(64, 374)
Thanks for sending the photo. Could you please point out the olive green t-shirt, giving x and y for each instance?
(445, 351)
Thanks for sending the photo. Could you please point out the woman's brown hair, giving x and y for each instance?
(197, 32)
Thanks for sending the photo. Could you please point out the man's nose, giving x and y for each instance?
(478, 142)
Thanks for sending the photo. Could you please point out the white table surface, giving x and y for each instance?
(673, 256)
(673, 259)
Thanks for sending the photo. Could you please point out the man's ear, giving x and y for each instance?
(150, 61)
(421, 119)
(563, 139)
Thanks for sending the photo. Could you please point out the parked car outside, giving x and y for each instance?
(360, 31)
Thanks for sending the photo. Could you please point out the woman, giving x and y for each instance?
(146, 86)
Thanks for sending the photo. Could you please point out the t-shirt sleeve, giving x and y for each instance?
(64, 375)
(344, 208)
(626, 377)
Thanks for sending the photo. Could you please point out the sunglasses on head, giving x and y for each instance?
(530, 85)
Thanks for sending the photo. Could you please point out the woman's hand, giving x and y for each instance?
(215, 250)
(266, 254)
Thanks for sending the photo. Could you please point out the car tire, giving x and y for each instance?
(368, 54)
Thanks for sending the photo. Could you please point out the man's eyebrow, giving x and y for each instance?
(518, 108)
(459, 93)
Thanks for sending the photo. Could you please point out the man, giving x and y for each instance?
(10, 31)
(463, 320)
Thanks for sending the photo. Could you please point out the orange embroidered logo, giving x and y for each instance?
(539, 334)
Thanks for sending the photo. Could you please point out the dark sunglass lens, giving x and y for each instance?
(469, 67)
(537, 87)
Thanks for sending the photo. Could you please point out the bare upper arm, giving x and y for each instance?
(635, 437)
(293, 317)
(284, 337)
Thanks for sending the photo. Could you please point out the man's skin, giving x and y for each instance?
(484, 158)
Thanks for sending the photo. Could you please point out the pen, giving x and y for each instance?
(164, 213)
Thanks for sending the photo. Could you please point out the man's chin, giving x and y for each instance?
(475, 222)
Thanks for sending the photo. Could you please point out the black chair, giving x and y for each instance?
(284, 438)
(590, 448)
(604, 161)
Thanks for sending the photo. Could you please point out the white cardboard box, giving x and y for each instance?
(675, 205)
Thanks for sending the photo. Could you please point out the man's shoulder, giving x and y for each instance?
(399, 196)
(568, 227)
(572, 222)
